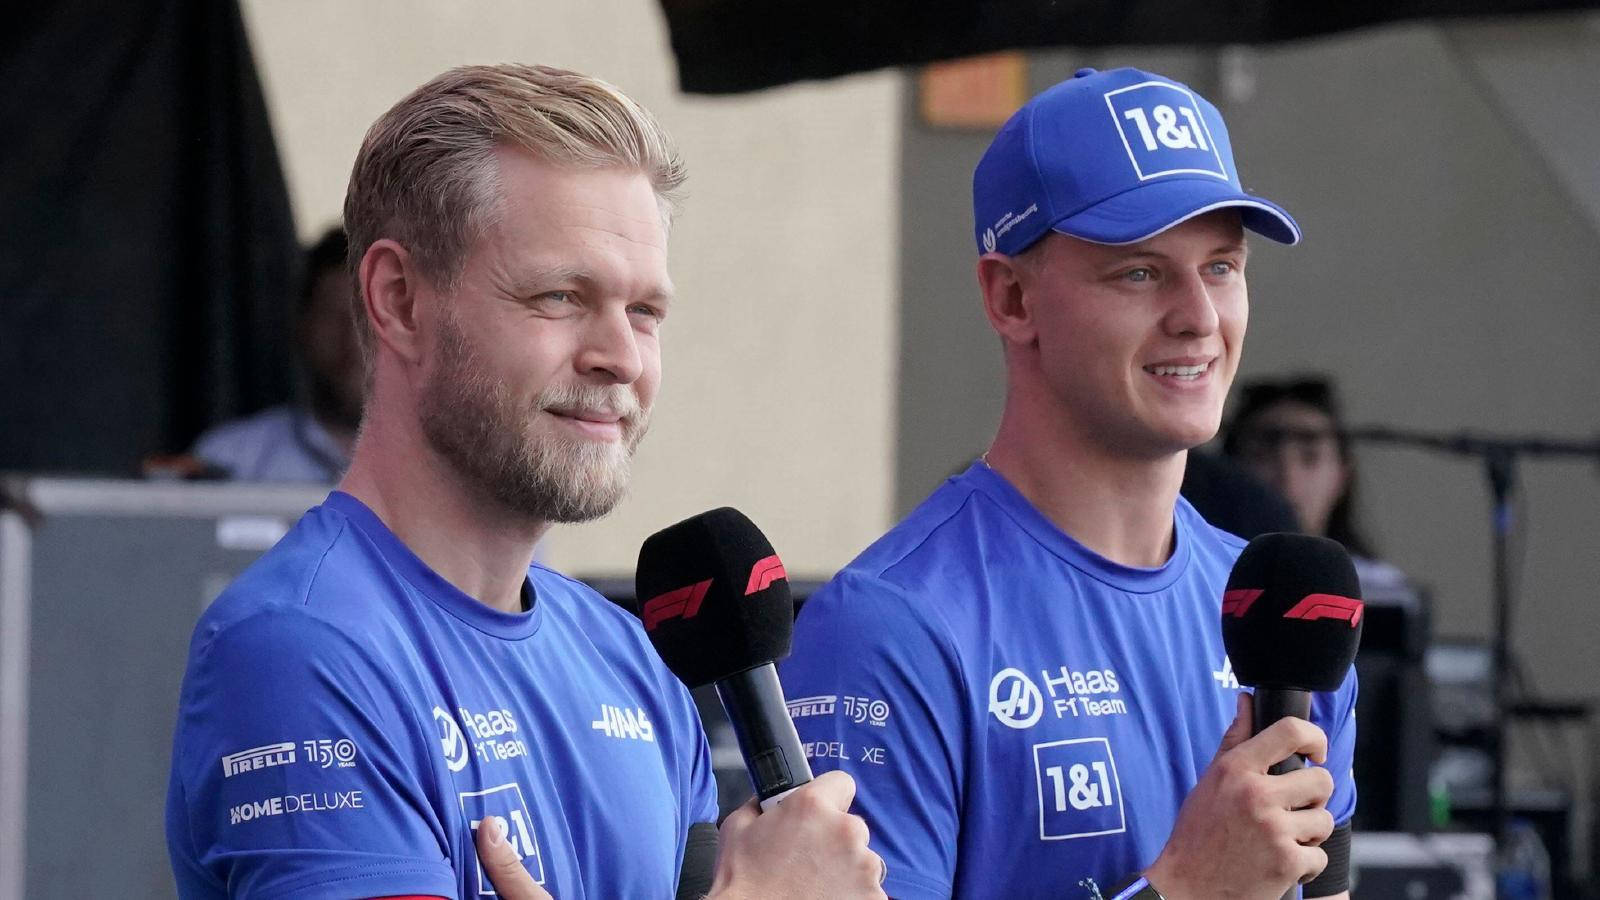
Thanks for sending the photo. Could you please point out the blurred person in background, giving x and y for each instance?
(1290, 434)
(1233, 498)
(309, 439)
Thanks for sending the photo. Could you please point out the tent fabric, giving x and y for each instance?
(149, 253)
(729, 46)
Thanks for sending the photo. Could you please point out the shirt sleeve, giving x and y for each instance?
(296, 770)
(697, 849)
(874, 689)
(697, 782)
(1335, 714)
(701, 797)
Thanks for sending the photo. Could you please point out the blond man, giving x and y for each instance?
(1039, 696)
(396, 673)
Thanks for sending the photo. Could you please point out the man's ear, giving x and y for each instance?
(1000, 279)
(390, 284)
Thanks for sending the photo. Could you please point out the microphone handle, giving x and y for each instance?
(753, 700)
(1270, 705)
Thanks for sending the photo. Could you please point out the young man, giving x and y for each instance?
(394, 673)
(1026, 676)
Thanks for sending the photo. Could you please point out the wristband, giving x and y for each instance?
(1138, 889)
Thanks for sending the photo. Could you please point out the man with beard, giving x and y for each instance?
(308, 440)
(395, 673)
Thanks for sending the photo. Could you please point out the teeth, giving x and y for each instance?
(1179, 371)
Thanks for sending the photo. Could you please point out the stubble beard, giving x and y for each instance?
(501, 448)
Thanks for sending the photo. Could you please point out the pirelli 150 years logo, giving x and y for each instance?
(327, 753)
(323, 753)
(860, 710)
(262, 757)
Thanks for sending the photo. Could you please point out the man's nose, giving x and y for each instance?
(1191, 311)
(610, 348)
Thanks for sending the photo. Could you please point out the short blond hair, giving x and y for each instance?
(426, 175)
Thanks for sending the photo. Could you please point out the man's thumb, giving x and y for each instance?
(1240, 729)
(511, 881)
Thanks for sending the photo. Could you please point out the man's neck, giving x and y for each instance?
(1119, 507)
(470, 540)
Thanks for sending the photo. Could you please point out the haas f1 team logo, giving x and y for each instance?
(684, 602)
(1237, 602)
(1014, 699)
(456, 749)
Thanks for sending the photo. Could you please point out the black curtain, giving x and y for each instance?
(149, 254)
(727, 46)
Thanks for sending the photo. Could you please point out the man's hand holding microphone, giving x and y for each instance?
(715, 601)
(1256, 823)
(806, 847)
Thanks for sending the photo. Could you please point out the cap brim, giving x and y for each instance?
(1148, 210)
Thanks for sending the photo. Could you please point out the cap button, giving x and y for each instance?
(1083, 73)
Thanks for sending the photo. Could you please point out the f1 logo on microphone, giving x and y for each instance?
(1238, 601)
(764, 573)
(1327, 606)
(682, 603)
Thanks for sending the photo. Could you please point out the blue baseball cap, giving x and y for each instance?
(1111, 157)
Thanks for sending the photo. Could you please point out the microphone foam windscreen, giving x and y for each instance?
(1291, 614)
(714, 597)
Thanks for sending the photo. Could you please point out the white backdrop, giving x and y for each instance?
(780, 354)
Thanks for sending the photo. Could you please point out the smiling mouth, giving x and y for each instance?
(1181, 373)
(592, 416)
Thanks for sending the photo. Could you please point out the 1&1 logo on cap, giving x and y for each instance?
(1164, 131)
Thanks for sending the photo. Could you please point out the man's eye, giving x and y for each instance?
(1140, 274)
(559, 297)
(1222, 268)
(641, 309)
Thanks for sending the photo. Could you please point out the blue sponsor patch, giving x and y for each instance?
(1164, 131)
(1079, 793)
(506, 802)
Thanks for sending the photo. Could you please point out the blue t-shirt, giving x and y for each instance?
(348, 717)
(1021, 715)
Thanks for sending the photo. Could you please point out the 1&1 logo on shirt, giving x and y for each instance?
(506, 802)
(1079, 792)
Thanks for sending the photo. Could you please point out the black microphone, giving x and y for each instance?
(1291, 622)
(714, 599)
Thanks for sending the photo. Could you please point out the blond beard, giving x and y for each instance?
(496, 444)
